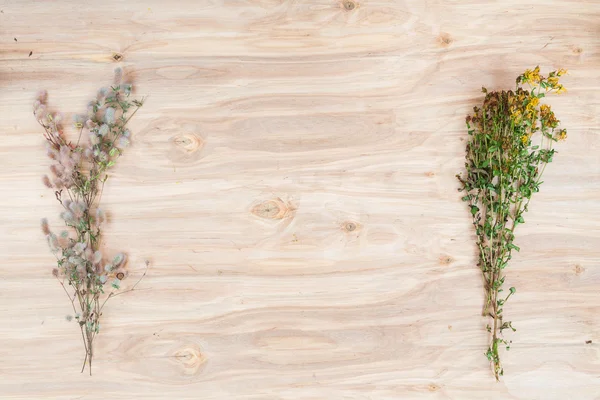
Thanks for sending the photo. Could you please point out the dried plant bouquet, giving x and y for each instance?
(87, 274)
(510, 143)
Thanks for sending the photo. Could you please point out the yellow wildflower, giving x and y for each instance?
(530, 76)
(536, 74)
(553, 81)
(561, 72)
(545, 109)
(560, 89)
(524, 139)
(534, 101)
(562, 134)
(516, 116)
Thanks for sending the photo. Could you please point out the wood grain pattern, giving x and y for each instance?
(292, 182)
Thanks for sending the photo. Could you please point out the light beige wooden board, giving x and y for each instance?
(292, 183)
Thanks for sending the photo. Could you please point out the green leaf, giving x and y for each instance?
(513, 247)
(112, 152)
(520, 220)
(474, 210)
(512, 290)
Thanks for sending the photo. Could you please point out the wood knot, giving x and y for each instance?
(349, 5)
(445, 40)
(578, 269)
(190, 358)
(577, 50)
(120, 276)
(350, 226)
(273, 209)
(187, 142)
(117, 57)
(433, 387)
(446, 260)
(185, 148)
(430, 174)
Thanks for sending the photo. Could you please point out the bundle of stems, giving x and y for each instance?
(511, 139)
(79, 172)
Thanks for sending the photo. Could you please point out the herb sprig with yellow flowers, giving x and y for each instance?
(511, 139)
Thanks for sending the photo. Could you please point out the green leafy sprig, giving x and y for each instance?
(511, 139)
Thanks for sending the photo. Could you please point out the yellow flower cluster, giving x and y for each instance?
(523, 106)
(530, 76)
(533, 78)
(521, 109)
(547, 117)
(561, 135)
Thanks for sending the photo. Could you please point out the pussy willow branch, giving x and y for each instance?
(80, 173)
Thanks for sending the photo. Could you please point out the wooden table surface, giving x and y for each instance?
(292, 183)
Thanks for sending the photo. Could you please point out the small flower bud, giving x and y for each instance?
(52, 242)
(46, 181)
(100, 216)
(40, 112)
(101, 93)
(122, 143)
(94, 139)
(79, 247)
(118, 75)
(109, 115)
(103, 130)
(67, 216)
(42, 96)
(97, 257)
(119, 259)
(45, 227)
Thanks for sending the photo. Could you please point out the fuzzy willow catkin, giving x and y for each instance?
(510, 143)
(88, 275)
